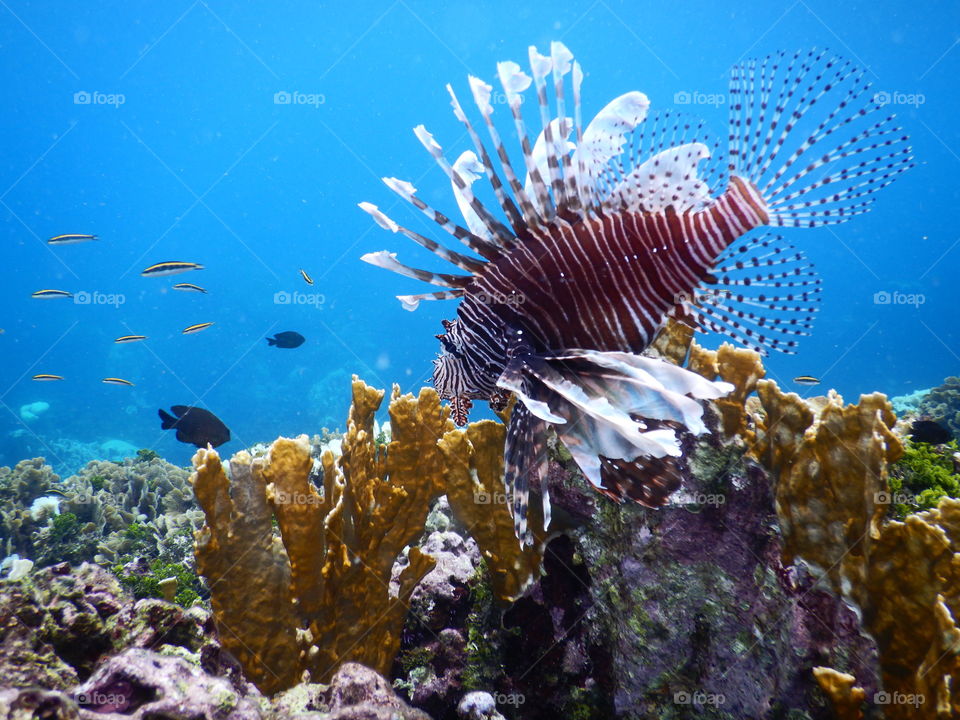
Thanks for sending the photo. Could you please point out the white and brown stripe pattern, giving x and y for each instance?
(641, 219)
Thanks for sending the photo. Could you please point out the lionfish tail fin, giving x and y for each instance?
(614, 411)
(814, 140)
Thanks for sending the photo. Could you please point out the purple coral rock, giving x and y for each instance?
(139, 684)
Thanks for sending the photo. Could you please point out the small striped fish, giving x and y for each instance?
(48, 294)
(130, 338)
(116, 381)
(196, 328)
(44, 377)
(171, 267)
(189, 287)
(606, 232)
(70, 239)
(306, 278)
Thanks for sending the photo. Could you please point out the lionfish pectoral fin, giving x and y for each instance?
(594, 399)
(525, 458)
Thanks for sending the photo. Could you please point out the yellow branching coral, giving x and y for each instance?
(323, 592)
(910, 606)
(842, 691)
(246, 569)
(474, 459)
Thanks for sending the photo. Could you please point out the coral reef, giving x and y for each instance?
(74, 644)
(20, 487)
(942, 403)
(924, 475)
(280, 599)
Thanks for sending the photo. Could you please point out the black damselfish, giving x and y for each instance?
(929, 431)
(195, 426)
(288, 339)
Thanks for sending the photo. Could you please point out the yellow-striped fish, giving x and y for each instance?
(51, 294)
(806, 380)
(306, 278)
(196, 328)
(44, 377)
(130, 338)
(116, 381)
(70, 239)
(171, 267)
(189, 287)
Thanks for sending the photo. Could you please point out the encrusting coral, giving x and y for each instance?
(841, 689)
(325, 591)
(832, 464)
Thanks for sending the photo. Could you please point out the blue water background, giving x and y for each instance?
(199, 163)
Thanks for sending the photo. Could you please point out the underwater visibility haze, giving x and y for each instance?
(242, 139)
(193, 195)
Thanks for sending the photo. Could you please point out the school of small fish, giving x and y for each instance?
(193, 425)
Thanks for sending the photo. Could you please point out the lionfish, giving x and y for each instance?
(638, 221)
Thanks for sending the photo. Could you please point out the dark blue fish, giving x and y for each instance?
(195, 426)
(288, 339)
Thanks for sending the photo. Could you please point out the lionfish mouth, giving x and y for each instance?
(621, 225)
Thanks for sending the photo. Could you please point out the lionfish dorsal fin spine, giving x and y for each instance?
(463, 262)
(412, 302)
(541, 66)
(388, 261)
(479, 245)
(481, 96)
(491, 229)
(514, 82)
(506, 202)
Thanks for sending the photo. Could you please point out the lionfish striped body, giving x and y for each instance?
(610, 236)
